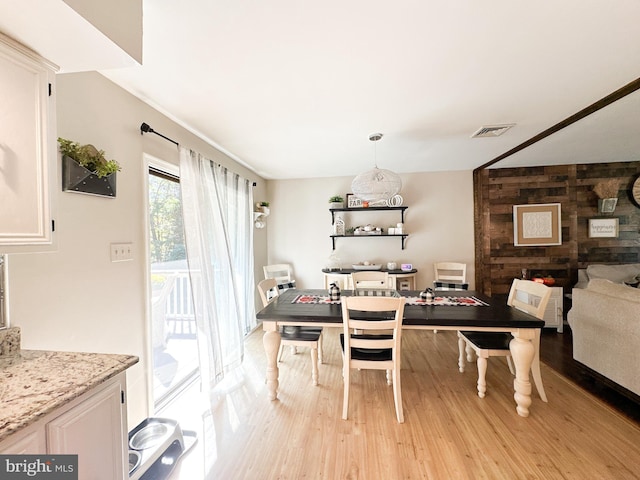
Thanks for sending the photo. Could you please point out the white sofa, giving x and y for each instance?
(616, 273)
(605, 323)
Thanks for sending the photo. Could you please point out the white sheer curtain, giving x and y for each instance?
(218, 222)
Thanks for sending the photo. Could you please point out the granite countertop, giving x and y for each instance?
(34, 383)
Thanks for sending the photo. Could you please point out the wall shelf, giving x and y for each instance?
(333, 237)
(367, 209)
(402, 236)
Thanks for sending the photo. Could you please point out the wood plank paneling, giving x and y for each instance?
(498, 261)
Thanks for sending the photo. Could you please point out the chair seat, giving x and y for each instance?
(296, 329)
(382, 354)
(300, 334)
(489, 340)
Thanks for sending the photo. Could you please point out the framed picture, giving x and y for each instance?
(353, 201)
(537, 225)
(603, 227)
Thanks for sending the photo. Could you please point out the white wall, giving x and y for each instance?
(76, 299)
(439, 221)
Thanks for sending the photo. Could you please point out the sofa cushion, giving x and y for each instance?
(583, 279)
(606, 287)
(615, 273)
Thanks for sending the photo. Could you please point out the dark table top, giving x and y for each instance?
(496, 314)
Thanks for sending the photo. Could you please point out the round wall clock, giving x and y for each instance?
(636, 191)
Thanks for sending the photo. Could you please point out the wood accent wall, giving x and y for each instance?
(496, 191)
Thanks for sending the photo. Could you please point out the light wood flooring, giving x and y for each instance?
(449, 432)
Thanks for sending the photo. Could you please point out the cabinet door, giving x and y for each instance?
(94, 430)
(30, 441)
(27, 148)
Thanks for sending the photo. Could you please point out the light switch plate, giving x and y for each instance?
(121, 252)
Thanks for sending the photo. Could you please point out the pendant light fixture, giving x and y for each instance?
(377, 184)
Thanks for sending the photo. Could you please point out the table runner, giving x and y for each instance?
(313, 299)
(448, 301)
(437, 301)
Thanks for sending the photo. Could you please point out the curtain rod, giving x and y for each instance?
(145, 128)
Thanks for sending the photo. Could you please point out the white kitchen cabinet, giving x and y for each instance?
(92, 426)
(96, 431)
(29, 441)
(28, 149)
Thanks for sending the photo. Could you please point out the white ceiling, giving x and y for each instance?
(294, 88)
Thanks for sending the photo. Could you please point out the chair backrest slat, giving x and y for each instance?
(268, 290)
(282, 272)
(529, 296)
(358, 305)
(370, 279)
(452, 272)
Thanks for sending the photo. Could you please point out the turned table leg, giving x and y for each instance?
(271, 342)
(522, 353)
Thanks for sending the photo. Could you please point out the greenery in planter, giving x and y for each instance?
(607, 188)
(264, 204)
(89, 157)
(336, 199)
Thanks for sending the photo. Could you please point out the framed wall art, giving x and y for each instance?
(353, 201)
(603, 227)
(537, 225)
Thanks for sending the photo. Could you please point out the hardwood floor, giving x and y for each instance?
(449, 432)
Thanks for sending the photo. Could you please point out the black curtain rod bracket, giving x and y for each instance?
(146, 128)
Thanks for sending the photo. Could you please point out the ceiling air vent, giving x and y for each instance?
(492, 130)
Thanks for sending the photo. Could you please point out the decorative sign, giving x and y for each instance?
(353, 201)
(603, 227)
(537, 225)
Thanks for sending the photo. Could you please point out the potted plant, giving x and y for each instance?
(336, 202)
(85, 169)
(607, 192)
(263, 207)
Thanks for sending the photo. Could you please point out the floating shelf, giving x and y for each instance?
(383, 235)
(403, 236)
(367, 209)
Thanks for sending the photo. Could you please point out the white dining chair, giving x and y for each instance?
(530, 297)
(378, 352)
(449, 276)
(370, 279)
(282, 273)
(310, 337)
(450, 272)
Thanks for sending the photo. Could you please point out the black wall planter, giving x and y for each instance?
(76, 178)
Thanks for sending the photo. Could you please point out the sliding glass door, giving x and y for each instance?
(173, 327)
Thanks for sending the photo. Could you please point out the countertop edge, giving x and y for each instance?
(60, 378)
